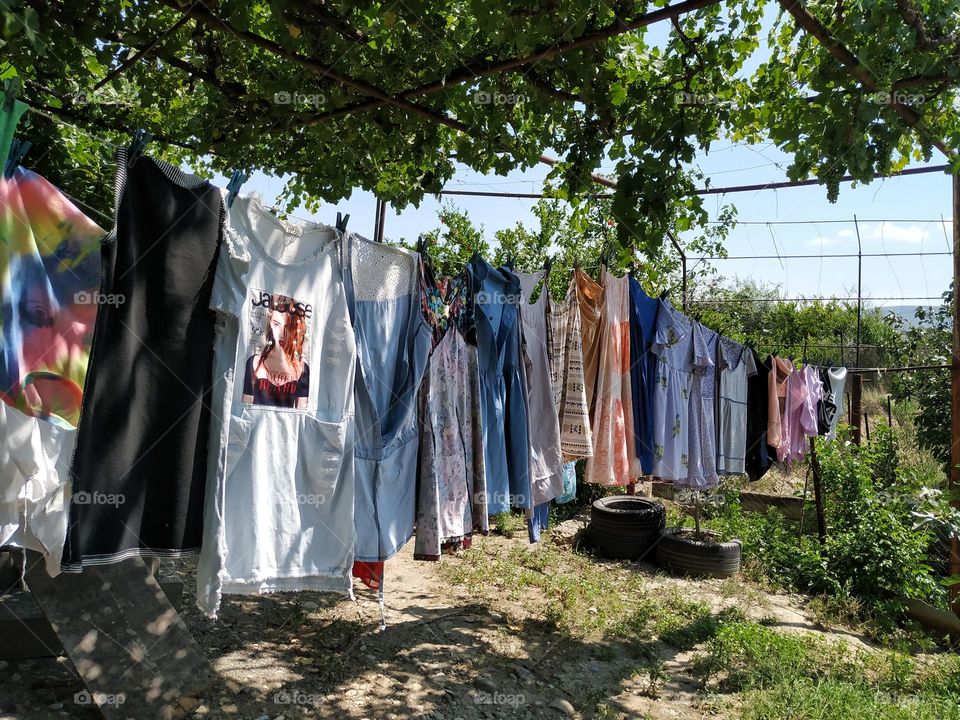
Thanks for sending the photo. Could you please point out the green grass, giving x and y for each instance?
(755, 671)
(782, 676)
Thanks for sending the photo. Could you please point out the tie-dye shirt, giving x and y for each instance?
(49, 295)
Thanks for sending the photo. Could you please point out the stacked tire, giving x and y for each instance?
(697, 558)
(626, 527)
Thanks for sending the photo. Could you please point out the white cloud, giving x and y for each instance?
(875, 232)
(909, 233)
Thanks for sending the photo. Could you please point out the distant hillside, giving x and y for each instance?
(907, 312)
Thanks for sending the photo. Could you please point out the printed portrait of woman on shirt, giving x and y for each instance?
(278, 375)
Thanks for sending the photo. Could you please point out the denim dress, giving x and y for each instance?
(393, 346)
(503, 397)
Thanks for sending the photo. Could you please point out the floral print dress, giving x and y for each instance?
(451, 478)
(673, 346)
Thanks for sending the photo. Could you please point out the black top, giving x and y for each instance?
(265, 392)
(140, 462)
(827, 408)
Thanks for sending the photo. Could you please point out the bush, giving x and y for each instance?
(881, 520)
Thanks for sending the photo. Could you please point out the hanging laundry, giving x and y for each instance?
(813, 397)
(279, 506)
(643, 371)
(569, 484)
(141, 453)
(11, 110)
(673, 346)
(393, 344)
(702, 465)
(546, 461)
(736, 364)
(34, 473)
(50, 281)
(796, 412)
(590, 301)
(567, 375)
(503, 392)
(780, 370)
(451, 478)
(758, 407)
(833, 381)
(614, 460)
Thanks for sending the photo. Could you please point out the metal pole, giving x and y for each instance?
(376, 220)
(683, 269)
(856, 226)
(381, 220)
(955, 392)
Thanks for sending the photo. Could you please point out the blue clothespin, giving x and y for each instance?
(18, 149)
(233, 187)
(342, 222)
(140, 139)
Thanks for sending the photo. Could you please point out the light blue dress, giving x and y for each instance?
(503, 399)
(393, 346)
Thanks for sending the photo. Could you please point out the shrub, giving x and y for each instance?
(881, 519)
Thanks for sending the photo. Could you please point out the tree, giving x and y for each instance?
(929, 342)
(389, 97)
(822, 331)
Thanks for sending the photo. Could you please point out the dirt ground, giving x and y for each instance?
(444, 654)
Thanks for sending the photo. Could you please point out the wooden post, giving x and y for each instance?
(818, 493)
(856, 406)
(955, 391)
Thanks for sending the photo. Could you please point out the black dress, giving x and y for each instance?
(139, 466)
(757, 459)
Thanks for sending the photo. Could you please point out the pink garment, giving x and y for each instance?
(804, 390)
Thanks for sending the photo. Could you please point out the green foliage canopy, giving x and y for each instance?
(388, 97)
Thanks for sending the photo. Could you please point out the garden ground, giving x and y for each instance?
(514, 630)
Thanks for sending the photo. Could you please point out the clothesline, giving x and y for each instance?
(820, 256)
(741, 301)
(905, 368)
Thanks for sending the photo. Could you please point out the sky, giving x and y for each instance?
(895, 215)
